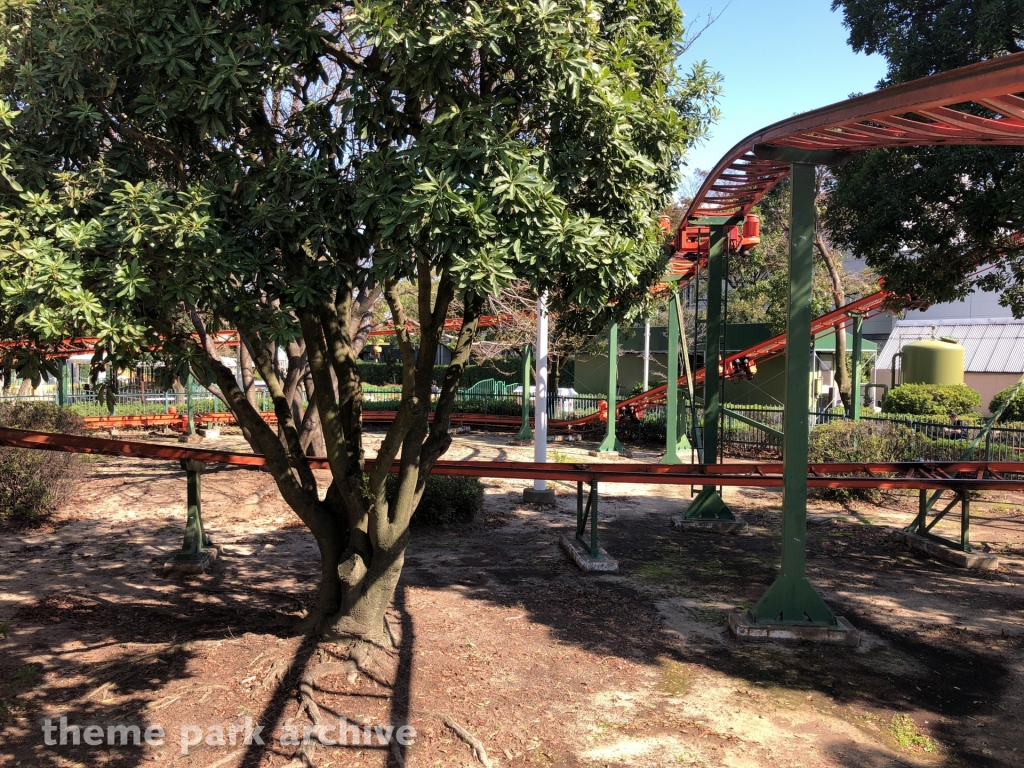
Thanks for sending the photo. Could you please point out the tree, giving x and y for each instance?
(175, 168)
(927, 218)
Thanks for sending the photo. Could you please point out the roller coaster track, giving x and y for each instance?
(942, 475)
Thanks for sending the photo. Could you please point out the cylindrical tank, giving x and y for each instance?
(933, 361)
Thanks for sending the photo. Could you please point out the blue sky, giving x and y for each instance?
(777, 59)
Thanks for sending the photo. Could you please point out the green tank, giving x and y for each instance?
(933, 361)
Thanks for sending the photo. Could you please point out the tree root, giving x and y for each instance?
(350, 669)
(474, 743)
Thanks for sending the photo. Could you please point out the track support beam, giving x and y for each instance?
(708, 504)
(791, 600)
(611, 442)
(525, 433)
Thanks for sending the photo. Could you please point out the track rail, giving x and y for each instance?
(943, 475)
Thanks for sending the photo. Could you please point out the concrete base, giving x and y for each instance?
(841, 634)
(974, 560)
(209, 434)
(581, 555)
(711, 526)
(545, 497)
(191, 566)
(517, 442)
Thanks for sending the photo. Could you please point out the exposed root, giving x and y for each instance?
(478, 749)
(359, 655)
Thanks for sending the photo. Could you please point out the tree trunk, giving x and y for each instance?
(834, 267)
(25, 389)
(246, 366)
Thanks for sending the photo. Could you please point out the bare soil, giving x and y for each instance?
(542, 664)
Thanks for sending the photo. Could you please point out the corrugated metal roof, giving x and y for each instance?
(991, 346)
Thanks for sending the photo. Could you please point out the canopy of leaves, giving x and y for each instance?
(248, 159)
(927, 219)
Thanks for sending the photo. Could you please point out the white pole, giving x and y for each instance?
(647, 354)
(540, 427)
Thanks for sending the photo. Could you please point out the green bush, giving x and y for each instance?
(382, 374)
(861, 441)
(926, 399)
(34, 483)
(446, 499)
(1014, 411)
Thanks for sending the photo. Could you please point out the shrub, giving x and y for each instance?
(861, 441)
(446, 499)
(1014, 411)
(937, 399)
(390, 372)
(34, 483)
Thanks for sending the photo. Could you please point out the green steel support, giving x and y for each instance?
(195, 540)
(921, 526)
(672, 385)
(791, 599)
(708, 504)
(525, 433)
(751, 422)
(188, 404)
(585, 512)
(858, 338)
(63, 385)
(611, 442)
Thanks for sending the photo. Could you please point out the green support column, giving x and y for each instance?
(858, 338)
(672, 385)
(791, 599)
(708, 504)
(195, 540)
(525, 433)
(188, 404)
(611, 442)
(62, 382)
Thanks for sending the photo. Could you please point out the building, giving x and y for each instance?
(993, 350)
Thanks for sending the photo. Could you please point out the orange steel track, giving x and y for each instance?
(977, 475)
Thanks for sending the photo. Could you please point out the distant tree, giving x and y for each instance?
(927, 218)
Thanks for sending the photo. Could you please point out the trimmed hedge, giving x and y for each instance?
(861, 441)
(34, 483)
(381, 374)
(446, 499)
(1014, 411)
(931, 399)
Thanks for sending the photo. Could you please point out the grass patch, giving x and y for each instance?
(675, 678)
(904, 730)
(707, 615)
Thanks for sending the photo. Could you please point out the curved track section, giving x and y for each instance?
(930, 111)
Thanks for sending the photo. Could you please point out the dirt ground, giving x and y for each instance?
(542, 664)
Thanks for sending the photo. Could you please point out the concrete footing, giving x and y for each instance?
(209, 433)
(680, 523)
(191, 565)
(842, 634)
(581, 555)
(975, 560)
(545, 497)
